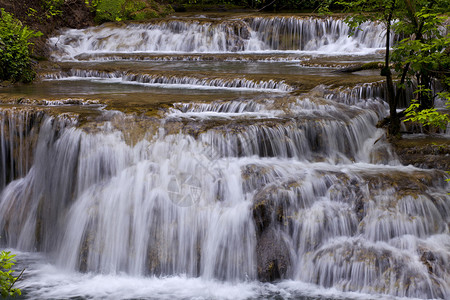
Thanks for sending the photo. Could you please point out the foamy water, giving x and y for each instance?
(43, 280)
(204, 198)
(249, 35)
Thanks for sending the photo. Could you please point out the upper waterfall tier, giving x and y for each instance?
(225, 35)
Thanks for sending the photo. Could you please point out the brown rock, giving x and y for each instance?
(273, 257)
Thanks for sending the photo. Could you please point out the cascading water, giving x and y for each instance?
(330, 35)
(157, 80)
(250, 34)
(18, 130)
(262, 196)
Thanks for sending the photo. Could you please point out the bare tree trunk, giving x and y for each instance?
(394, 124)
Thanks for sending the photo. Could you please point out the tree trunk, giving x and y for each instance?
(424, 80)
(394, 124)
(425, 96)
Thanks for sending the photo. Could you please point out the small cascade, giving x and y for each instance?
(354, 95)
(19, 130)
(219, 107)
(391, 230)
(172, 81)
(25, 193)
(193, 57)
(313, 34)
(369, 95)
(250, 34)
(301, 140)
(311, 131)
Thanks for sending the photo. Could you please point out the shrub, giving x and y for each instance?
(52, 8)
(7, 280)
(428, 117)
(118, 10)
(109, 10)
(15, 61)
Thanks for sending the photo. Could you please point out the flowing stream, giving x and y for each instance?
(213, 157)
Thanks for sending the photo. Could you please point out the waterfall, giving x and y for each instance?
(364, 95)
(202, 201)
(368, 95)
(18, 134)
(174, 81)
(50, 177)
(251, 34)
(329, 34)
(214, 192)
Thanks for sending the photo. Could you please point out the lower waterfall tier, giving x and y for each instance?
(228, 194)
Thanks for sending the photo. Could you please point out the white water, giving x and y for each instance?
(13, 124)
(49, 282)
(246, 35)
(200, 202)
(180, 82)
(176, 206)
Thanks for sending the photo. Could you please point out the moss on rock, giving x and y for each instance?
(138, 10)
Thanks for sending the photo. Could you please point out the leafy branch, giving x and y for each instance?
(7, 280)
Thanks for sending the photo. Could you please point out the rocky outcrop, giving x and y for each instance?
(272, 249)
(389, 272)
(424, 152)
(273, 259)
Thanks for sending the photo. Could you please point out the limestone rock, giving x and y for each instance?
(273, 257)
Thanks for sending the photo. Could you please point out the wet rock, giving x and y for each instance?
(273, 259)
(361, 67)
(348, 190)
(359, 208)
(435, 261)
(156, 254)
(85, 249)
(428, 258)
(405, 182)
(264, 207)
(424, 152)
(256, 177)
(273, 204)
(5, 83)
(380, 269)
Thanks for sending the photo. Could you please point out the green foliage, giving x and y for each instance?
(424, 52)
(52, 7)
(109, 10)
(271, 5)
(138, 10)
(15, 62)
(7, 280)
(118, 10)
(427, 117)
(92, 4)
(32, 12)
(364, 10)
(422, 55)
(430, 116)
